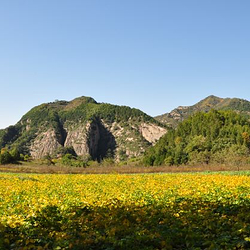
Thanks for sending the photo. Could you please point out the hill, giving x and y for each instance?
(211, 102)
(88, 128)
(213, 137)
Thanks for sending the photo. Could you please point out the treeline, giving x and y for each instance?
(239, 104)
(105, 111)
(64, 156)
(54, 114)
(213, 137)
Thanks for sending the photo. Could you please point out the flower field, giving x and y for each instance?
(150, 211)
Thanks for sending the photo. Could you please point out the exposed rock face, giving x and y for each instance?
(151, 132)
(78, 139)
(100, 130)
(92, 139)
(96, 138)
(44, 144)
(177, 114)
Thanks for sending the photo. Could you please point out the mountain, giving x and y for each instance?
(181, 113)
(89, 128)
(217, 137)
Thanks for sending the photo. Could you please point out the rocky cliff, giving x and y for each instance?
(90, 128)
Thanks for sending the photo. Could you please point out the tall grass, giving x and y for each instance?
(127, 169)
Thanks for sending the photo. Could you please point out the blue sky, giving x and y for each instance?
(149, 54)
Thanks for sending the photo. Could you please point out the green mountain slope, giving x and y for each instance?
(211, 102)
(90, 128)
(213, 137)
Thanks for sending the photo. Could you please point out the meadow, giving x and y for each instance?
(114, 211)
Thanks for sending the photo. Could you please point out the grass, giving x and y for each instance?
(126, 169)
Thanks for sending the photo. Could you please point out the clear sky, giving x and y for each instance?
(149, 54)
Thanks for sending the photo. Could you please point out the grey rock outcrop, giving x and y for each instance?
(151, 132)
(44, 144)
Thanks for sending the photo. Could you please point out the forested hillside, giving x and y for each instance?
(211, 102)
(83, 127)
(213, 137)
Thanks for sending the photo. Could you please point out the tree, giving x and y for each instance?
(15, 154)
(5, 158)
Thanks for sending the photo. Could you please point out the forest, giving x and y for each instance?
(218, 137)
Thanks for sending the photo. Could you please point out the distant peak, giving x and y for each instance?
(79, 101)
(210, 100)
(84, 99)
(212, 97)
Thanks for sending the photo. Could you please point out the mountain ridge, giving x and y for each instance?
(100, 130)
(90, 128)
(181, 113)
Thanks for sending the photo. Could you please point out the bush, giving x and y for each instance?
(71, 160)
(108, 162)
(67, 160)
(47, 160)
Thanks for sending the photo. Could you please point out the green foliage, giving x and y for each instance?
(9, 135)
(149, 212)
(239, 105)
(26, 158)
(9, 156)
(62, 151)
(47, 160)
(70, 160)
(15, 154)
(5, 158)
(67, 159)
(107, 112)
(122, 155)
(203, 138)
(107, 162)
